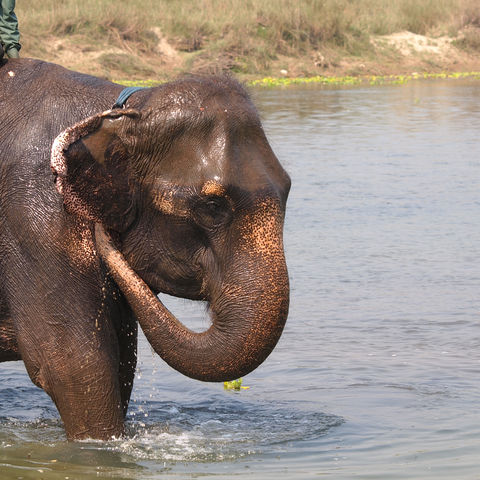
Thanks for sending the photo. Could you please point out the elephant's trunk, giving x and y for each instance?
(248, 311)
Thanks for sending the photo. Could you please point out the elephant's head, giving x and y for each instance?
(189, 189)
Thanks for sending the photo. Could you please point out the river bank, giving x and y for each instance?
(155, 41)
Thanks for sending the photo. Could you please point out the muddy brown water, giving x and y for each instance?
(378, 372)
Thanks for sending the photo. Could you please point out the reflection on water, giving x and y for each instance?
(376, 375)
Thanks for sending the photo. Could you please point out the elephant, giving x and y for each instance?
(174, 190)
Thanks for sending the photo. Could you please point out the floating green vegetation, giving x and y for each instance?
(234, 385)
(360, 80)
(317, 80)
(330, 81)
(139, 83)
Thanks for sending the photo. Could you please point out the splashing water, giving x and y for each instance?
(172, 433)
(220, 432)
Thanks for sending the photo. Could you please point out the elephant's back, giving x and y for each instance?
(39, 99)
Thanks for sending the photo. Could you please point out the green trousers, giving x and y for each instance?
(9, 34)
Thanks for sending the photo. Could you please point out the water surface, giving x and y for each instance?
(377, 373)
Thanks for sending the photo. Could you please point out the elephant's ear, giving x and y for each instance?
(90, 162)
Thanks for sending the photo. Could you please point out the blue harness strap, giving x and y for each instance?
(125, 95)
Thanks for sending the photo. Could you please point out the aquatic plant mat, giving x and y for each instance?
(325, 81)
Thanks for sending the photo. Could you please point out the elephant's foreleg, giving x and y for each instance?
(80, 373)
(69, 344)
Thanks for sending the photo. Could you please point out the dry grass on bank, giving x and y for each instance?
(251, 37)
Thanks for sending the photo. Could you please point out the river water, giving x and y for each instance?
(378, 372)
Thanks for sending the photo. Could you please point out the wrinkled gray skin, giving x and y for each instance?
(179, 192)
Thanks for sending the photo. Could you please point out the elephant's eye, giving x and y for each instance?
(212, 211)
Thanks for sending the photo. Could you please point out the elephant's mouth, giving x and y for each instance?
(188, 288)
